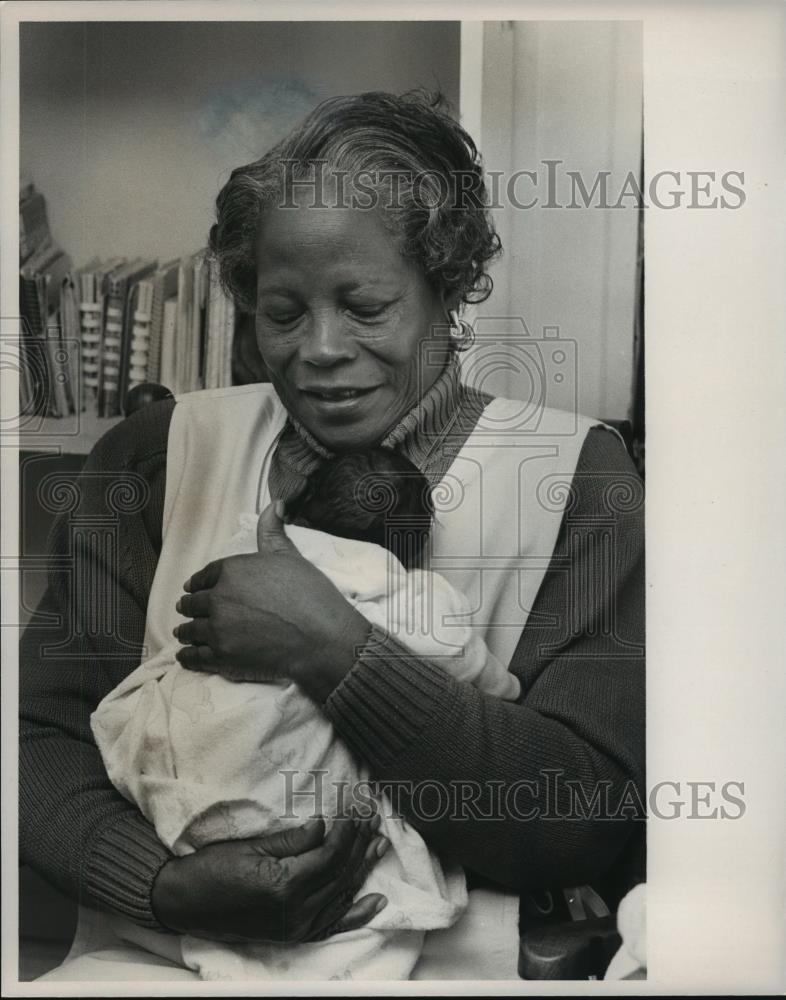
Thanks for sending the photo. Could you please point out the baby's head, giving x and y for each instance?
(373, 496)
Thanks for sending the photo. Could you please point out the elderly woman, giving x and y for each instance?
(355, 242)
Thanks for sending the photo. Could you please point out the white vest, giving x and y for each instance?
(498, 508)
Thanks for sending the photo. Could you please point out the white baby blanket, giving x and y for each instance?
(206, 759)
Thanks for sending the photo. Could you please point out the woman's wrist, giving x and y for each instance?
(332, 660)
(123, 863)
(164, 901)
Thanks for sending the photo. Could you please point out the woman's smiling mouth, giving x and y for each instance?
(337, 394)
(337, 401)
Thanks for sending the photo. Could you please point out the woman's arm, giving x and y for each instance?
(580, 718)
(577, 726)
(75, 828)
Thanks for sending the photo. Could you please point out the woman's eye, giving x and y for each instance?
(368, 311)
(284, 319)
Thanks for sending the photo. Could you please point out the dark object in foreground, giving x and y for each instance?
(143, 395)
(571, 949)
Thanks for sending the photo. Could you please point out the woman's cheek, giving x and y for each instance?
(276, 349)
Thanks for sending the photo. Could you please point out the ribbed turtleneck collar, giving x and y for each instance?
(417, 436)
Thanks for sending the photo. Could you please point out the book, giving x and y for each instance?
(40, 262)
(34, 383)
(164, 287)
(169, 343)
(69, 333)
(136, 346)
(56, 358)
(219, 332)
(115, 290)
(230, 317)
(214, 328)
(190, 333)
(182, 340)
(39, 297)
(195, 379)
(93, 334)
(91, 307)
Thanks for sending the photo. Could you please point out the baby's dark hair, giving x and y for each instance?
(373, 496)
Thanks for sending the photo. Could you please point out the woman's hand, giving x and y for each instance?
(267, 615)
(295, 885)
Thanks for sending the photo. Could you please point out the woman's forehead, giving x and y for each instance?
(309, 223)
(283, 280)
(352, 244)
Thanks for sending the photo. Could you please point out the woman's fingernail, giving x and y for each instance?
(382, 847)
(175, 630)
(380, 904)
(179, 604)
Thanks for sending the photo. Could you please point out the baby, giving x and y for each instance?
(380, 497)
(206, 759)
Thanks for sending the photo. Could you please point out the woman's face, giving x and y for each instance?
(344, 322)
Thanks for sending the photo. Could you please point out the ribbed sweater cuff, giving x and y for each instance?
(125, 860)
(389, 695)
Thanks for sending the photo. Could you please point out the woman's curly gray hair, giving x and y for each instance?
(405, 155)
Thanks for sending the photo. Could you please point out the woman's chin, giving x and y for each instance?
(345, 424)
(349, 437)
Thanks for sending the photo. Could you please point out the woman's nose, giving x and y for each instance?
(327, 342)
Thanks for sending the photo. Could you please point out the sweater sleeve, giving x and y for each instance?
(546, 790)
(75, 829)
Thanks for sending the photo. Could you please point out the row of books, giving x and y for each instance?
(91, 334)
(46, 372)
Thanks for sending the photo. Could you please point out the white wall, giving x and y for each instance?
(129, 128)
(567, 91)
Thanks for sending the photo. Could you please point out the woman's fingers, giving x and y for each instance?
(335, 911)
(376, 850)
(197, 658)
(271, 536)
(331, 864)
(194, 633)
(205, 578)
(346, 878)
(295, 841)
(318, 867)
(358, 915)
(194, 605)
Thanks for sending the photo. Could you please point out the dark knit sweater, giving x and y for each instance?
(576, 730)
